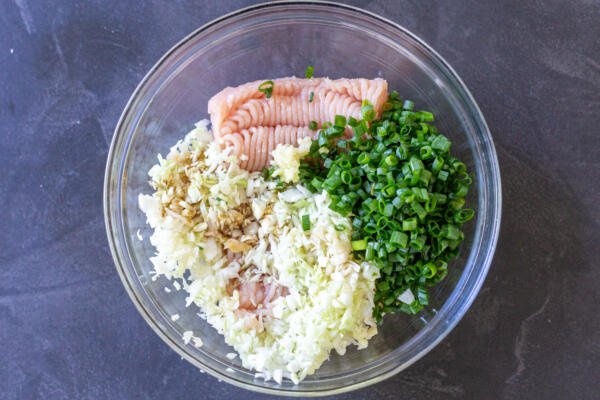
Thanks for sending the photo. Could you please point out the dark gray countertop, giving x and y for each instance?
(67, 327)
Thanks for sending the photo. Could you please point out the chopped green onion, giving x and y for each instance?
(309, 71)
(419, 210)
(425, 152)
(367, 112)
(404, 192)
(346, 177)
(418, 242)
(464, 215)
(415, 164)
(450, 232)
(426, 116)
(388, 210)
(266, 88)
(322, 140)
(441, 143)
(399, 238)
(313, 125)
(363, 158)
(409, 224)
(370, 228)
(358, 245)
(369, 253)
(391, 160)
(311, 96)
(306, 222)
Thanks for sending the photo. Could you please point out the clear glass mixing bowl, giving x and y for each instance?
(276, 40)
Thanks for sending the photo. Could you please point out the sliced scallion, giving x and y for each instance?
(267, 88)
(305, 222)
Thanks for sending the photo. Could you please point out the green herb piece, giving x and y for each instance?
(340, 121)
(358, 245)
(267, 88)
(367, 111)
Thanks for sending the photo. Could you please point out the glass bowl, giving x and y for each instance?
(275, 40)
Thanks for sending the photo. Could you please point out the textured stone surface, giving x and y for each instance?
(67, 327)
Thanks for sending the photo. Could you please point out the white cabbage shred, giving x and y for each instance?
(286, 159)
(281, 296)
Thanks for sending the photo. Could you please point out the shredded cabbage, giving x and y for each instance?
(227, 234)
(286, 159)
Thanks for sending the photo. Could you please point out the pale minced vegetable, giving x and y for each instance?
(187, 336)
(286, 160)
(282, 296)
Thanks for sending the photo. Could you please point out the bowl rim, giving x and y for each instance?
(495, 218)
